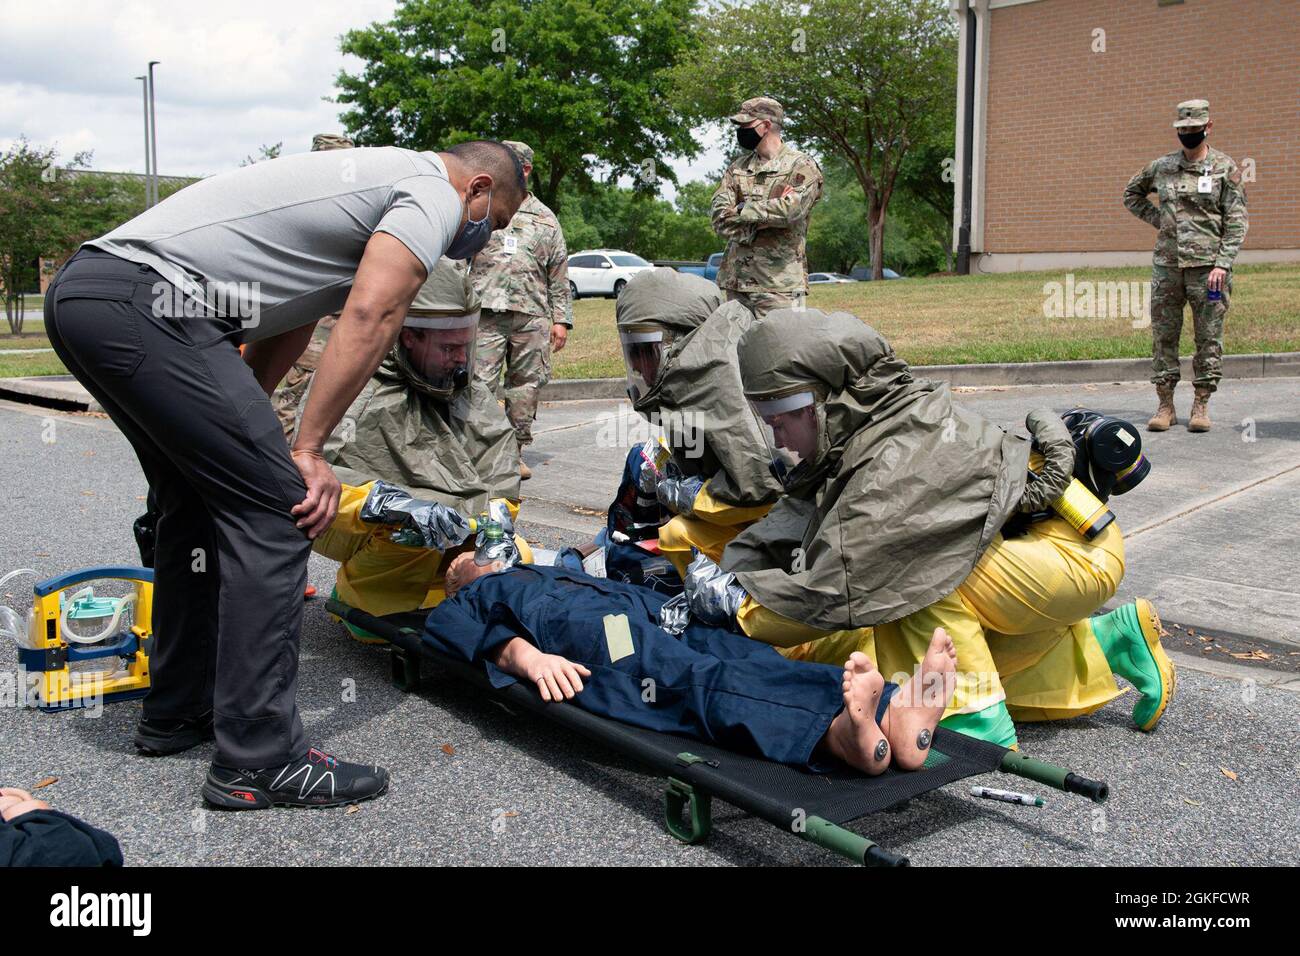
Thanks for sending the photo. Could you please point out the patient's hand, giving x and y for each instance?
(463, 571)
(556, 678)
(14, 803)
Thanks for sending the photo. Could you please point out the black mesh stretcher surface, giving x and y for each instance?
(778, 793)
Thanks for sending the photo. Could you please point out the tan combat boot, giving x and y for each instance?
(524, 471)
(1165, 416)
(1200, 420)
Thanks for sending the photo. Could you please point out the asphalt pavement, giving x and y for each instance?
(1211, 536)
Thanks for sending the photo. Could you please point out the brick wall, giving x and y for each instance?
(1067, 127)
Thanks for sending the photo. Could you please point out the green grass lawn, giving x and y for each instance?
(958, 320)
(951, 320)
(33, 337)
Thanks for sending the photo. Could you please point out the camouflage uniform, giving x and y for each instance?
(522, 278)
(765, 266)
(1198, 231)
(289, 395)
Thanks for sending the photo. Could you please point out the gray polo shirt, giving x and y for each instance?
(276, 245)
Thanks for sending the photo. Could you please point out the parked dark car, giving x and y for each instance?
(863, 274)
(708, 270)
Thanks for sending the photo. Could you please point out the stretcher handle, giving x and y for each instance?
(1023, 765)
(1095, 790)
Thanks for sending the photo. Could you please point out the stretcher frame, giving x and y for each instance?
(692, 781)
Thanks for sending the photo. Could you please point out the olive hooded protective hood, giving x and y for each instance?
(460, 451)
(697, 397)
(909, 488)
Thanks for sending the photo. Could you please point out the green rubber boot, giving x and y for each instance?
(993, 724)
(1130, 638)
(358, 634)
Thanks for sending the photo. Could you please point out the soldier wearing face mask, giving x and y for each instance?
(761, 208)
(424, 438)
(150, 318)
(1201, 221)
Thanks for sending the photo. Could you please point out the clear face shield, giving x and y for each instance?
(643, 355)
(441, 349)
(791, 429)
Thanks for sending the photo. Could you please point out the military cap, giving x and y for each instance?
(522, 150)
(759, 108)
(330, 141)
(1192, 113)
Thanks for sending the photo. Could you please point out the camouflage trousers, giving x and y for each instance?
(521, 345)
(761, 303)
(288, 396)
(1171, 289)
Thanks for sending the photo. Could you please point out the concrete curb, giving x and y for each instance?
(1272, 680)
(56, 391)
(64, 389)
(1259, 365)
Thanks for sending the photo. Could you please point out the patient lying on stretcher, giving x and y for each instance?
(598, 644)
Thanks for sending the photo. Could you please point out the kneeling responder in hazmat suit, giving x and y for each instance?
(421, 451)
(679, 346)
(896, 499)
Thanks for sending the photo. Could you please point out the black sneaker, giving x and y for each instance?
(158, 738)
(314, 780)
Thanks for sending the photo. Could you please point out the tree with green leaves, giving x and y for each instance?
(926, 179)
(46, 211)
(867, 81)
(583, 82)
(606, 215)
(264, 152)
(836, 239)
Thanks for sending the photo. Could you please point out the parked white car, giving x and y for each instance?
(603, 271)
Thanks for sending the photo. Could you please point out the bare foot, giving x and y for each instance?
(854, 736)
(916, 707)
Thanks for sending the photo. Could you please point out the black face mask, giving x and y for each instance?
(1192, 140)
(748, 138)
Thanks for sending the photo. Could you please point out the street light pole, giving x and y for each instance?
(153, 131)
(148, 163)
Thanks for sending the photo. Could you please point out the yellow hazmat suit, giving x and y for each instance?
(895, 495)
(679, 346)
(424, 424)
(710, 528)
(379, 575)
(1020, 623)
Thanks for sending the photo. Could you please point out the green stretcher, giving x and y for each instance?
(809, 806)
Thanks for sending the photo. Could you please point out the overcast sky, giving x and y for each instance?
(232, 75)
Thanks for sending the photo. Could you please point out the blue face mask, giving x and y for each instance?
(473, 236)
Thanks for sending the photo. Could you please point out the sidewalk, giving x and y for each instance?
(1263, 365)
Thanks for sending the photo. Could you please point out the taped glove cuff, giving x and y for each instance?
(1053, 440)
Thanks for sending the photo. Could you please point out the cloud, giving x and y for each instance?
(232, 75)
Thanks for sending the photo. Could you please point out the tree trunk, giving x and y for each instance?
(876, 223)
(549, 193)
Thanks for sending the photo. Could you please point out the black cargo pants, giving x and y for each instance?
(230, 564)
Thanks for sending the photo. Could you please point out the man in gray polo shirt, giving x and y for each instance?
(150, 317)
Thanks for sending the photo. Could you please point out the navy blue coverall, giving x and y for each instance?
(710, 683)
(51, 838)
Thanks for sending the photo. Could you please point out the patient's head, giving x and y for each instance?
(463, 571)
